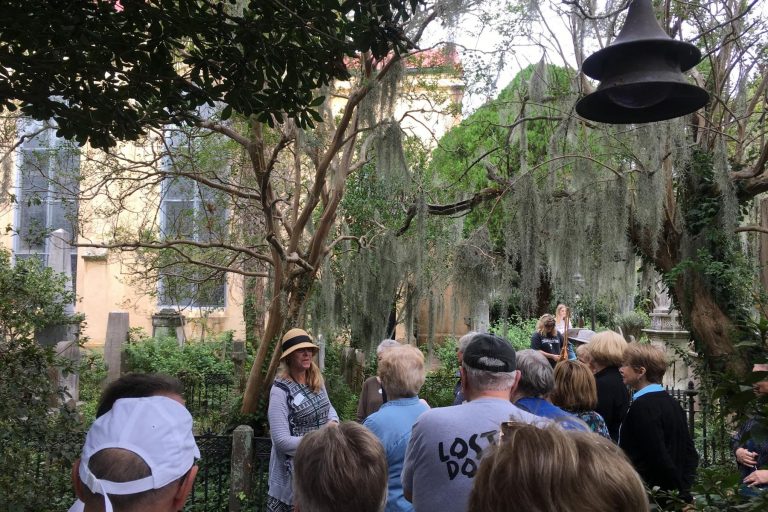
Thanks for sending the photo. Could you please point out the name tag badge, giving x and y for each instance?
(298, 399)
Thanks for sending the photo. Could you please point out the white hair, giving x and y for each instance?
(483, 380)
(465, 340)
(386, 344)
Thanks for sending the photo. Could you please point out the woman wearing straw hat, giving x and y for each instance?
(298, 404)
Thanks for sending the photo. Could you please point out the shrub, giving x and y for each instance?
(632, 324)
(518, 333)
(164, 355)
(33, 436)
(343, 398)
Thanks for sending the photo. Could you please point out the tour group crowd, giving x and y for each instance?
(579, 425)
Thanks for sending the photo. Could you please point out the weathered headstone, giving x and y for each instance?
(168, 323)
(353, 361)
(70, 352)
(321, 352)
(117, 336)
(238, 358)
(59, 254)
(241, 467)
(481, 316)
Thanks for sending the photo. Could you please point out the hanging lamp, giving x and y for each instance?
(641, 74)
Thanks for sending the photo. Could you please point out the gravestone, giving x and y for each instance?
(59, 253)
(321, 352)
(667, 333)
(117, 336)
(238, 358)
(241, 466)
(70, 351)
(169, 323)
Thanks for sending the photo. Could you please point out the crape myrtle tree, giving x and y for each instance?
(569, 197)
(239, 103)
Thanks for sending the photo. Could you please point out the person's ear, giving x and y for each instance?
(464, 386)
(77, 485)
(515, 382)
(182, 493)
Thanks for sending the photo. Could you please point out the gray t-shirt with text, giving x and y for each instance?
(446, 445)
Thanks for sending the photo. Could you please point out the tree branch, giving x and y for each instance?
(169, 244)
(450, 209)
(225, 130)
(757, 229)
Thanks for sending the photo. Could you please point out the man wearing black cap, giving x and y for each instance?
(444, 452)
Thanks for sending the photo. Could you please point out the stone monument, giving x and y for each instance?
(667, 332)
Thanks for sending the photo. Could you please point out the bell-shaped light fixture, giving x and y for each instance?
(641, 74)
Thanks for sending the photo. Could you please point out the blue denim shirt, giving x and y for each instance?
(392, 425)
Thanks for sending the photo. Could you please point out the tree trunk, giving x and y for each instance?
(286, 311)
(254, 309)
(711, 328)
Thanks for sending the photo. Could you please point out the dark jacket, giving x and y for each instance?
(655, 437)
(612, 399)
(755, 443)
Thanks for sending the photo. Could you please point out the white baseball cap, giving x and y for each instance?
(157, 429)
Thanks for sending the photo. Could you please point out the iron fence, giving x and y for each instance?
(707, 424)
(211, 489)
(209, 399)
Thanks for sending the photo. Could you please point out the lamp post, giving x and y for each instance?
(641, 74)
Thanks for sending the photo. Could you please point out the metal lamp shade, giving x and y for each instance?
(641, 74)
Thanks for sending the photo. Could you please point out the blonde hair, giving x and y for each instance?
(542, 320)
(607, 348)
(314, 376)
(650, 357)
(511, 474)
(559, 308)
(575, 387)
(402, 371)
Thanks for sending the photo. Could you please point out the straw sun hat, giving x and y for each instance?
(295, 339)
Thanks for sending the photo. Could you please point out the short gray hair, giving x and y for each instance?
(483, 380)
(386, 344)
(465, 340)
(537, 378)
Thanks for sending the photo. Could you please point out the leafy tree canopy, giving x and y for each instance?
(106, 72)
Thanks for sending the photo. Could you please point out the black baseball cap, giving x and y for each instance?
(490, 346)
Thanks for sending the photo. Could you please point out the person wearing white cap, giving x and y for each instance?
(298, 405)
(139, 456)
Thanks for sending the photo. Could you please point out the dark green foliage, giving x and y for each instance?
(33, 431)
(164, 355)
(93, 371)
(517, 332)
(106, 74)
(714, 255)
(457, 162)
(343, 398)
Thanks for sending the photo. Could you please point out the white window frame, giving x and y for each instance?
(46, 142)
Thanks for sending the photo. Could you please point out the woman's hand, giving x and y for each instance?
(746, 457)
(555, 357)
(758, 477)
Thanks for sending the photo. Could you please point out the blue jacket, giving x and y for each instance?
(392, 425)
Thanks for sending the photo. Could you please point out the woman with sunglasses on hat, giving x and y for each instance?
(298, 405)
